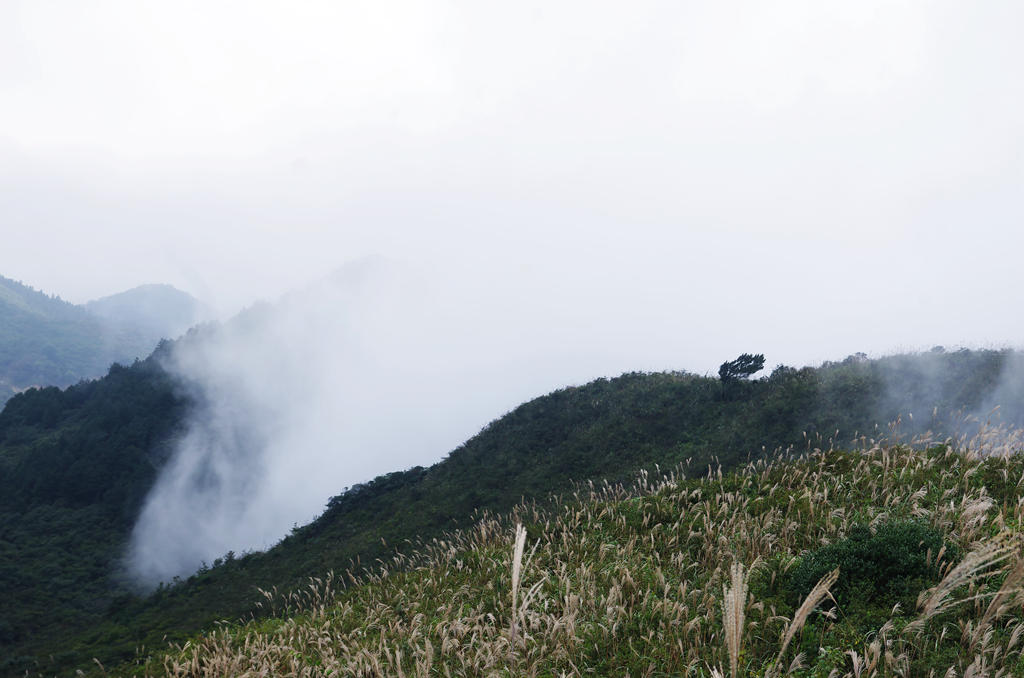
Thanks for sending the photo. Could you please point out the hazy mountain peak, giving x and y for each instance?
(158, 310)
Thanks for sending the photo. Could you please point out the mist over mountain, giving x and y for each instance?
(559, 220)
(341, 395)
(363, 372)
(46, 341)
(128, 464)
(383, 366)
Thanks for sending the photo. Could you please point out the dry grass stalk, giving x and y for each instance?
(816, 595)
(734, 601)
(517, 570)
(1011, 586)
(976, 565)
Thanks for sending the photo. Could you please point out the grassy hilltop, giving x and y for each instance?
(886, 562)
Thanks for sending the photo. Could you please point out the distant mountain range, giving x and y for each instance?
(46, 341)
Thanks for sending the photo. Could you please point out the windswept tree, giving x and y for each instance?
(741, 368)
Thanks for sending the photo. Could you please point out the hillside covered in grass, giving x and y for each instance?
(87, 456)
(890, 561)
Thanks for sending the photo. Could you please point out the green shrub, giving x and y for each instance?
(888, 565)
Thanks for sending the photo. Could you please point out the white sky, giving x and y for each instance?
(691, 180)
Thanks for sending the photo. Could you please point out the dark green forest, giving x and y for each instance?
(75, 466)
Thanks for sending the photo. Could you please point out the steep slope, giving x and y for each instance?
(918, 566)
(75, 466)
(609, 429)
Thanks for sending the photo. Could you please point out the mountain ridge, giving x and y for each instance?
(608, 428)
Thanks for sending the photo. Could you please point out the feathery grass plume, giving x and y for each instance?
(976, 565)
(1011, 586)
(817, 594)
(857, 661)
(734, 601)
(517, 571)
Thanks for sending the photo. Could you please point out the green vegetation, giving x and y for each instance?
(677, 577)
(75, 465)
(743, 367)
(895, 561)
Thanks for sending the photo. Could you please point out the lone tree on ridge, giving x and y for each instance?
(741, 368)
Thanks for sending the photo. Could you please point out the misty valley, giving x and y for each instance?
(205, 484)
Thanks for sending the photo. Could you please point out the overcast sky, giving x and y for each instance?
(689, 179)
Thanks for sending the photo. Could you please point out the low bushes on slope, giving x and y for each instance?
(889, 563)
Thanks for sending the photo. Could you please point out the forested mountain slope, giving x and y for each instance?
(75, 466)
(53, 445)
